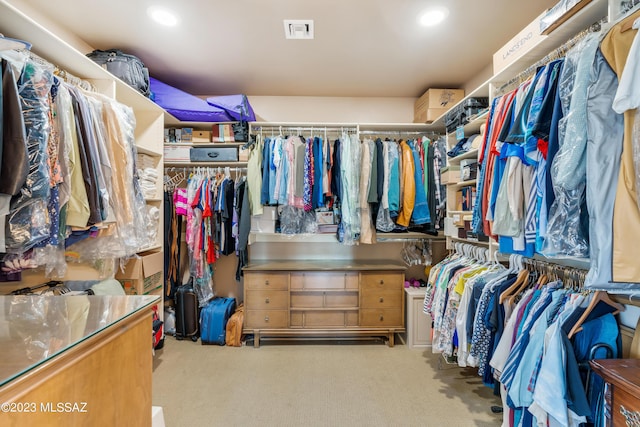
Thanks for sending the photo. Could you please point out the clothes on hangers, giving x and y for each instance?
(520, 345)
(313, 173)
(69, 182)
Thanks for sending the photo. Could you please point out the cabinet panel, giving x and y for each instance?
(324, 280)
(318, 319)
(296, 319)
(381, 299)
(375, 280)
(266, 319)
(307, 300)
(352, 318)
(267, 300)
(261, 280)
(380, 317)
(341, 299)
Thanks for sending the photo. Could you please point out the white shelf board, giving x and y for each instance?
(471, 154)
(149, 152)
(205, 164)
(205, 144)
(255, 237)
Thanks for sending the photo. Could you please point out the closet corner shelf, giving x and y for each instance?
(471, 154)
(473, 127)
(152, 199)
(463, 183)
(148, 152)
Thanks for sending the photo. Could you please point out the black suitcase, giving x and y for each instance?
(187, 316)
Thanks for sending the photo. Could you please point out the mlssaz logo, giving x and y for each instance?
(517, 45)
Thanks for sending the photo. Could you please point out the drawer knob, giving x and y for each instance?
(381, 318)
(381, 299)
(266, 318)
(381, 282)
(266, 301)
(266, 282)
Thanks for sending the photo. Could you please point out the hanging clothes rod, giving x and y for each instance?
(306, 128)
(398, 132)
(63, 74)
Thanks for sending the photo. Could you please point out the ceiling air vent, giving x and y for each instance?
(299, 29)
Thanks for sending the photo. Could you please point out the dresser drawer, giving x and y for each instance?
(323, 319)
(381, 299)
(266, 319)
(624, 407)
(324, 280)
(382, 280)
(267, 300)
(370, 317)
(262, 280)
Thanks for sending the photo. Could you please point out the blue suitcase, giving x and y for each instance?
(213, 320)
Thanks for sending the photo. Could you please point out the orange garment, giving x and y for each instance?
(407, 178)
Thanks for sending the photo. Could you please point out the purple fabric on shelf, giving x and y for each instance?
(237, 106)
(184, 106)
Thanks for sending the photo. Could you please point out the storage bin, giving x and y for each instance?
(213, 154)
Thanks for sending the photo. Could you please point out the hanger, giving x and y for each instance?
(523, 279)
(599, 296)
(627, 23)
(7, 43)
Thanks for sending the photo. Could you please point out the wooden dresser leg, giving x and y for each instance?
(256, 339)
(391, 338)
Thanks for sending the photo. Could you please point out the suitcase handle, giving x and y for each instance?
(213, 155)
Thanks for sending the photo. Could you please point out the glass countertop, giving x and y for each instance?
(33, 329)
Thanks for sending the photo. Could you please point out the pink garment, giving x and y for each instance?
(180, 201)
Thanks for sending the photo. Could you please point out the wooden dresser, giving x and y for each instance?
(323, 299)
(622, 396)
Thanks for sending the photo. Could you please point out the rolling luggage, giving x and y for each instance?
(213, 320)
(186, 302)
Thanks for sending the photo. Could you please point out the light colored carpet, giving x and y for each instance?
(316, 384)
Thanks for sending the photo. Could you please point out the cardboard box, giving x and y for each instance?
(243, 154)
(266, 222)
(450, 174)
(434, 103)
(177, 154)
(518, 46)
(201, 136)
(142, 274)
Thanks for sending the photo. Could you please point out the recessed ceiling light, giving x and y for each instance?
(433, 16)
(162, 16)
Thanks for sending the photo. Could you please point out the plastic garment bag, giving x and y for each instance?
(566, 233)
(28, 220)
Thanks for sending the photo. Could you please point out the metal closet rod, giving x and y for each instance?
(298, 128)
(397, 132)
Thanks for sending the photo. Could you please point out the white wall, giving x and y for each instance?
(332, 109)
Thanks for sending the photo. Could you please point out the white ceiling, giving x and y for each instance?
(367, 48)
